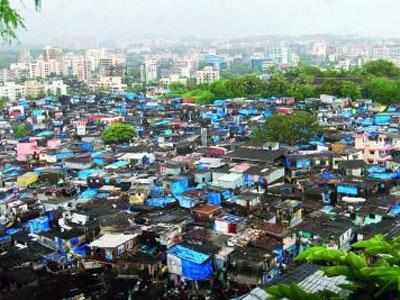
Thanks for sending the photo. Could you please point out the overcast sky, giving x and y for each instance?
(115, 19)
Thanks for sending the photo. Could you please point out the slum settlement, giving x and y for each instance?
(190, 206)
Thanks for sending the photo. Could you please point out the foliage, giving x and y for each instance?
(177, 89)
(118, 132)
(21, 131)
(201, 96)
(293, 292)
(378, 80)
(11, 20)
(381, 68)
(293, 129)
(3, 102)
(382, 90)
(371, 269)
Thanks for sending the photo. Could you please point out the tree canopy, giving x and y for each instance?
(118, 132)
(372, 270)
(21, 131)
(293, 129)
(11, 20)
(378, 80)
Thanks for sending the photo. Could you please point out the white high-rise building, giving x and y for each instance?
(207, 75)
(149, 71)
(12, 91)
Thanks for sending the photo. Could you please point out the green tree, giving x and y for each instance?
(21, 131)
(177, 89)
(3, 102)
(382, 90)
(381, 68)
(372, 270)
(293, 129)
(118, 132)
(350, 89)
(294, 292)
(11, 20)
(245, 86)
(220, 89)
(201, 96)
(302, 91)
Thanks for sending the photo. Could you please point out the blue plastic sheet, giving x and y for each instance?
(185, 202)
(214, 198)
(192, 271)
(303, 164)
(326, 175)
(88, 193)
(118, 164)
(382, 119)
(38, 225)
(82, 250)
(84, 174)
(348, 190)
(180, 186)
(86, 147)
(188, 254)
(160, 202)
(383, 176)
(376, 169)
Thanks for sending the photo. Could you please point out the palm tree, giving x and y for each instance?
(11, 20)
(372, 269)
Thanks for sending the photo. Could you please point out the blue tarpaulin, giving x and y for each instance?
(160, 202)
(326, 175)
(214, 198)
(348, 190)
(194, 271)
(118, 164)
(180, 186)
(82, 250)
(12, 231)
(382, 119)
(303, 164)
(376, 169)
(195, 265)
(395, 210)
(38, 225)
(185, 201)
(88, 193)
(383, 176)
(86, 147)
(84, 174)
(156, 191)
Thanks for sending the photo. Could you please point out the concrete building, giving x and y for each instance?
(112, 84)
(57, 87)
(207, 75)
(12, 91)
(149, 71)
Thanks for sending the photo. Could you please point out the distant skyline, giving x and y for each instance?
(119, 20)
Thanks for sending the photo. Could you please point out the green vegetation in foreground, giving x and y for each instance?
(372, 269)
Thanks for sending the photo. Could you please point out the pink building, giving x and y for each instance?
(54, 144)
(25, 150)
(376, 149)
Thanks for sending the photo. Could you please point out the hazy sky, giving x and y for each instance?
(114, 19)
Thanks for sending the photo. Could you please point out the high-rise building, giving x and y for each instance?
(50, 53)
(24, 56)
(207, 75)
(149, 71)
